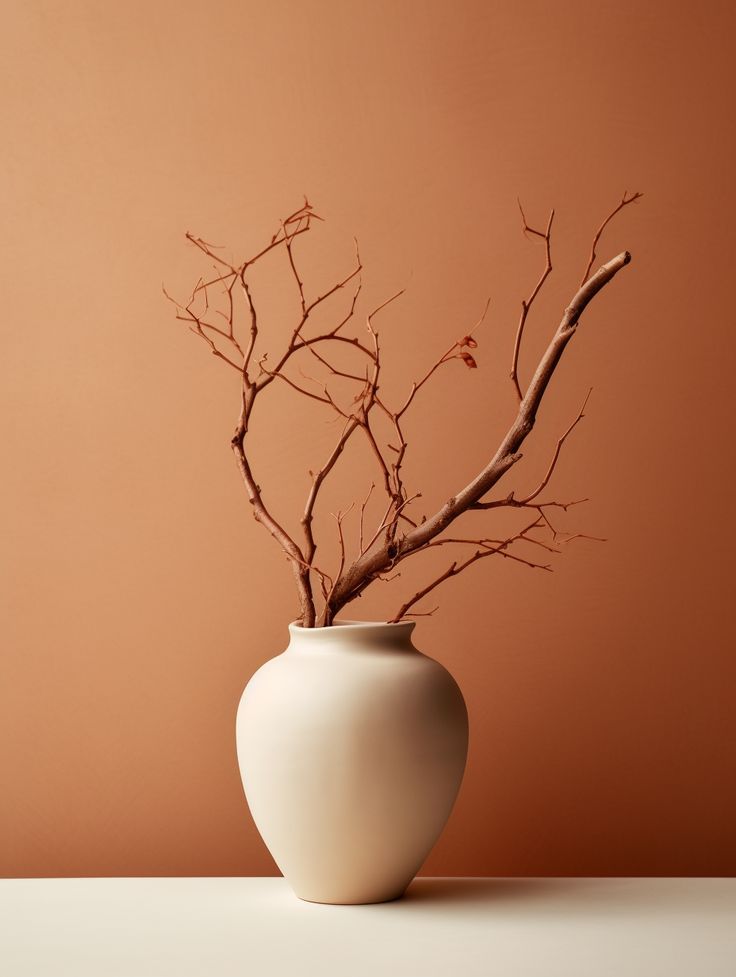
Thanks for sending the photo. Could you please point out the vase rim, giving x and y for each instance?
(354, 634)
(355, 627)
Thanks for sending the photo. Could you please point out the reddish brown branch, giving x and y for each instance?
(253, 331)
(458, 351)
(397, 535)
(368, 399)
(300, 221)
(339, 517)
(527, 303)
(625, 200)
(365, 568)
(317, 480)
(295, 224)
(510, 500)
(297, 340)
(209, 250)
(387, 520)
(486, 548)
(262, 515)
(362, 517)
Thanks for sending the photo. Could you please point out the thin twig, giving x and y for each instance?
(625, 200)
(510, 500)
(526, 304)
(486, 548)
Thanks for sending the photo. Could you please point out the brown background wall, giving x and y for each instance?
(137, 594)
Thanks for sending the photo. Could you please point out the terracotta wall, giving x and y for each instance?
(137, 593)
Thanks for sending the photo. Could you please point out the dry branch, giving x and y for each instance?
(357, 577)
(397, 535)
(487, 547)
(625, 201)
(527, 303)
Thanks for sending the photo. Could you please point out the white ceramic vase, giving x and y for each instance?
(352, 746)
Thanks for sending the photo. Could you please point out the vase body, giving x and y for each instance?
(352, 747)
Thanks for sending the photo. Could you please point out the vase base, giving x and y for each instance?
(369, 901)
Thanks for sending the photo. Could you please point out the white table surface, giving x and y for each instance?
(255, 927)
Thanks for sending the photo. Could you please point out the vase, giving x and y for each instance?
(352, 746)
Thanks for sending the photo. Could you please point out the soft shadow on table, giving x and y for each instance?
(466, 891)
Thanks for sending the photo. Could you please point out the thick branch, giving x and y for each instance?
(367, 567)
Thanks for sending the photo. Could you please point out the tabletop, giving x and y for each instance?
(443, 927)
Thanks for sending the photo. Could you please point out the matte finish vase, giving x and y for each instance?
(352, 747)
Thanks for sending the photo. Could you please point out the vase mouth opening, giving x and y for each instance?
(357, 628)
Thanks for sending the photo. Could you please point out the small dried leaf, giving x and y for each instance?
(468, 341)
(469, 361)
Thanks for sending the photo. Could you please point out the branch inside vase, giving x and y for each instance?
(222, 311)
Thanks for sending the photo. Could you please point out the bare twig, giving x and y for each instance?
(458, 351)
(526, 304)
(397, 536)
(388, 518)
(362, 516)
(368, 397)
(364, 569)
(339, 517)
(625, 200)
(485, 548)
(317, 480)
(510, 500)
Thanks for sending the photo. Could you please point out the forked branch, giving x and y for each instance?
(486, 547)
(212, 312)
(357, 577)
(527, 303)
